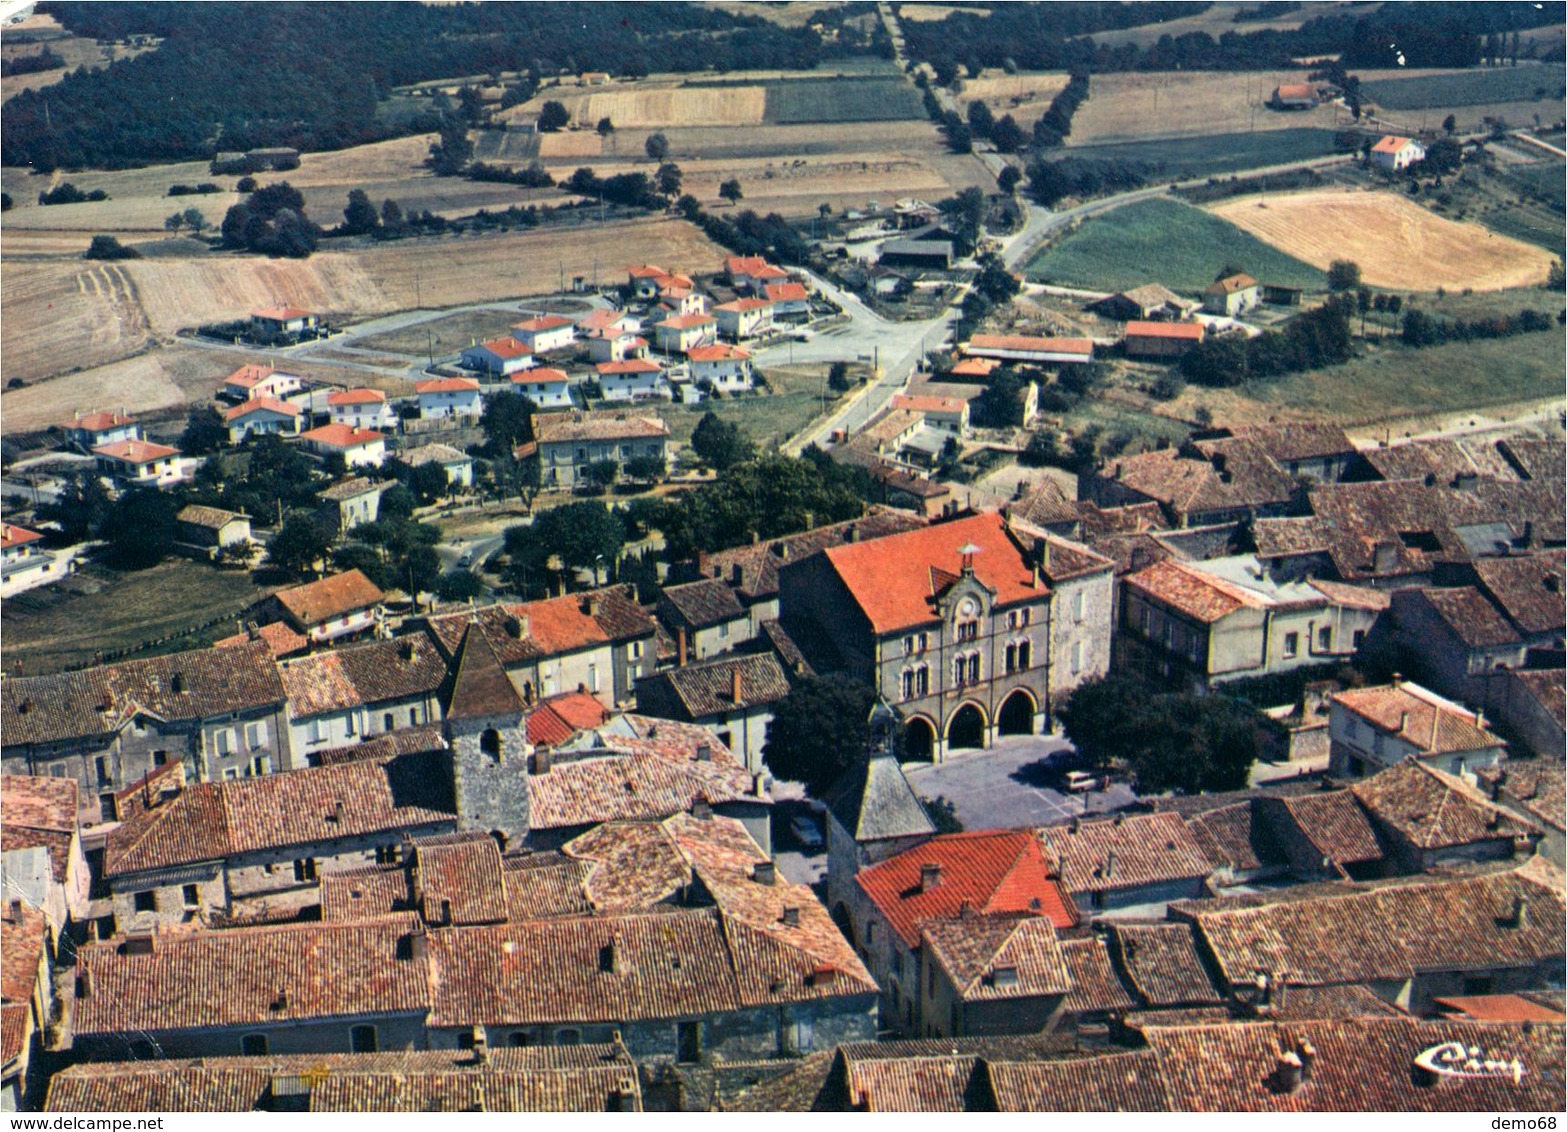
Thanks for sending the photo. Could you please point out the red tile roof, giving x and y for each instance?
(1432, 809)
(1498, 1008)
(281, 640)
(1390, 144)
(98, 422)
(1030, 343)
(319, 601)
(975, 367)
(740, 306)
(343, 436)
(928, 404)
(1192, 592)
(507, 347)
(786, 292)
(1147, 849)
(1184, 331)
(256, 404)
(990, 871)
(480, 686)
(645, 271)
(447, 385)
(39, 812)
(1230, 284)
(356, 397)
(23, 936)
(136, 451)
(718, 352)
(13, 535)
(248, 377)
(543, 322)
(1410, 713)
(558, 718)
(282, 314)
(538, 376)
(629, 365)
(977, 952)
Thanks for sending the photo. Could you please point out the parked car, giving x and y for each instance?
(1080, 782)
(807, 832)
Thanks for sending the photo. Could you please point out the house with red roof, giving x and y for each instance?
(499, 357)
(679, 333)
(338, 605)
(260, 416)
(788, 298)
(1030, 348)
(1160, 339)
(86, 431)
(142, 463)
(545, 333)
(359, 447)
(722, 366)
(607, 319)
(547, 388)
(283, 322)
(1393, 153)
(24, 562)
(632, 379)
(252, 381)
(750, 273)
(914, 913)
(614, 343)
(744, 318)
(973, 628)
(1372, 728)
(361, 408)
(441, 397)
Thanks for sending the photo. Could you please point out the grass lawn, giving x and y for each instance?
(1163, 241)
(767, 420)
(64, 625)
(1523, 83)
(1184, 158)
(452, 334)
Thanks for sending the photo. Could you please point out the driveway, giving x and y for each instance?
(1004, 787)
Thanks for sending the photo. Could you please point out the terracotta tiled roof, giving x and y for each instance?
(248, 377)
(363, 894)
(874, 802)
(1229, 835)
(1287, 442)
(98, 422)
(343, 436)
(745, 264)
(13, 535)
(1390, 144)
(1535, 784)
(1229, 285)
(1147, 848)
(542, 376)
(279, 637)
(404, 741)
(447, 385)
(248, 976)
(758, 563)
(460, 879)
(1529, 589)
(786, 292)
(1497, 1008)
(988, 958)
(213, 518)
(740, 306)
(992, 871)
(98, 701)
(686, 321)
(136, 451)
(507, 347)
(15, 1020)
(718, 352)
(1431, 809)
(1433, 725)
(558, 718)
(1193, 592)
(317, 602)
(543, 885)
(632, 787)
(353, 487)
(526, 631)
(630, 866)
(707, 688)
(1334, 826)
(258, 404)
(39, 812)
(699, 605)
(339, 679)
(928, 404)
(1120, 1082)
(23, 939)
(1162, 962)
(1297, 90)
(909, 1084)
(627, 365)
(207, 821)
(356, 397)
(1191, 484)
(1181, 331)
(543, 322)
(1472, 619)
(975, 367)
(557, 428)
(1351, 597)
(281, 314)
(1024, 342)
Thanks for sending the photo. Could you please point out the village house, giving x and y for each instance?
(219, 711)
(614, 344)
(1199, 484)
(1372, 728)
(1429, 818)
(678, 334)
(1533, 789)
(996, 974)
(705, 618)
(726, 368)
(279, 638)
(751, 273)
(24, 563)
(141, 463)
(942, 414)
(283, 323)
(361, 408)
(1161, 964)
(443, 397)
(744, 318)
(1532, 705)
(1127, 865)
(1151, 301)
(607, 319)
(254, 849)
(27, 1001)
(1031, 349)
(337, 606)
(642, 280)
(249, 382)
(565, 445)
(677, 299)
(499, 357)
(86, 431)
(732, 696)
(1232, 295)
(343, 696)
(788, 299)
(872, 814)
(973, 628)
(350, 502)
(210, 530)
(260, 416)
(42, 816)
(457, 465)
(546, 388)
(1160, 340)
(545, 333)
(359, 447)
(634, 379)
(1393, 153)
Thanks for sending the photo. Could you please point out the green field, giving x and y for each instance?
(1163, 241)
(1545, 179)
(800, 101)
(1184, 158)
(767, 420)
(1528, 82)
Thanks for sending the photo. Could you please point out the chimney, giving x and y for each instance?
(1403, 722)
(735, 690)
(1305, 1051)
(517, 626)
(930, 875)
(624, 1097)
(281, 1001)
(851, 533)
(613, 957)
(736, 574)
(1288, 1073)
(1520, 916)
(409, 650)
(418, 943)
(791, 916)
(1398, 679)
(337, 811)
(1109, 864)
(481, 1047)
(541, 760)
(704, 752)
(680, 647)
(1384, 557)
(702, 809)
(759, 785)
(765, 872)
(590, 605)
(1499, 781)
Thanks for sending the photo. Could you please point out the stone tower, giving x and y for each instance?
(484, 726)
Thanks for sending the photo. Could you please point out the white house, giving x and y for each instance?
(788, 298)
(726, 367)
(612, 344)
(679, 334)
(359, 447)
(635, 379)
(449, 397)
(644, 280)
(457, 464)
(545, 333)
(944, 414)
(607, 320)
(1232, 295)
(1395, 153)
(546, 388)
(680, 300)
(361, 408)
(350, 502)
(249, 382)
(143, 463)
(261, 415)
(88, 430)
(744, 318)
(498, 357)
(23, 561)
(283, 322)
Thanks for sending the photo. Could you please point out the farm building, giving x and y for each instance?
(87, 431)
(679, 334)
(262, 415)
(1395, 153)
(210, 529)
(283, 322)
(1294, 96)
(457, 464)
(1232, 295)
(449, 397)
(498, 357)
(546, 388)
(360, 408)
(1150, 301)
(545, 333)
(259, 381)
(567, 444)
(614, 344)
(917, 253)
(359, 447)
(1161, 339)
(1027, 348)
(744, 318)
(926, 385)
(634, 379)
(727, 367)
(788, 298)
(1278, 296)
(143, 463)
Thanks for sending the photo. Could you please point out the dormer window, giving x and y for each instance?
(1004, 977)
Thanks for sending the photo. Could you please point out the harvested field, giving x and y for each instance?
(572, 143)
(1024, 96)
(797, 188)
(1135, 106)
(454, 332)
(98, 302)
(1397, 243)
(838, 138)
(710, 105)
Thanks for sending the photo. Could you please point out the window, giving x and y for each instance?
(160, 758)
(387, 854)
(490, 744)
(1012, 621)
(315, 731)
(256, 734)
(723, 631)
(305, 869)
(349, 724)
(1357, 639)
(1025, 655)
(958, 670)
(387, 722)
(362, 1039)
(635, 651)
(1291, 644)
(593, 678)
(1011, 663)
(922, 680)
(101, 767)
(192, 895)
(253, 1045)
(908, 683)
(1077, 657)
(968, 630)
(147, 901)
(688, 1041)
(230, 773)
(1027, 617)
(908, 645)
(973, 669)
(1079, 605)
(223, 741)
(1325, 638)
(924, 642)
(261, 764)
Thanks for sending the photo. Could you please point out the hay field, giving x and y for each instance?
(574, 143)
(1397, 243)
(797, 188)
(1165, 104)
(98, 303)
(1024, 96)
(713, 105)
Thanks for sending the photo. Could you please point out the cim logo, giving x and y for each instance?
(1454, 1059)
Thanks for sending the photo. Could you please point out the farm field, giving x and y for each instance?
(1397, 243)
(452, 333)
(1025, 95)
(1217, 20)
(64, 625)
(1167, 242)
(1138, 105)
(842, 100)
(768, 420)
(1527, 82)
(1184, 158)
